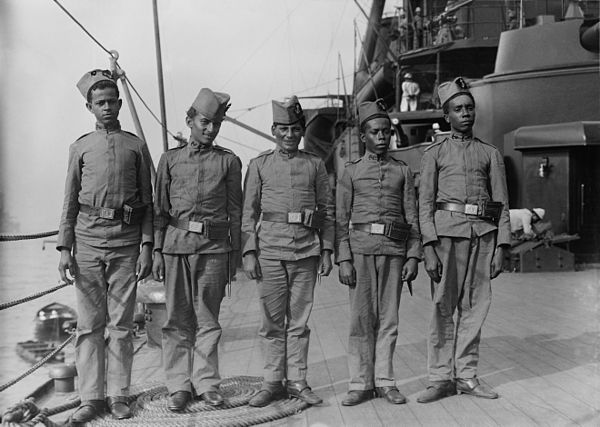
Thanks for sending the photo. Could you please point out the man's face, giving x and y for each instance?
(288, 136)
(105, 105)
(461, 113)
(377, 134)
(203, 130)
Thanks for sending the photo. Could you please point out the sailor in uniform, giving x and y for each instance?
(287, 233)
(107, 214)
(378, 247)
(198, 209)
(463, 213)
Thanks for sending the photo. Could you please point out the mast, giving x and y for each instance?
(120, 73)
(161, 88)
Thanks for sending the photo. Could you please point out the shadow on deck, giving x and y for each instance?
(540, 350)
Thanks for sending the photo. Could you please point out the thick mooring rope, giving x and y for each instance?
(9, 304)
(38, 364)
(15, 237)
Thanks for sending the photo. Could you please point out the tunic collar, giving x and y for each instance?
(376, 157)
(112, 127)
(287, 154)
(462, 136)
(203, 148)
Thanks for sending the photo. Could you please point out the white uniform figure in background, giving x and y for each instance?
(410, 94)
(521, 220)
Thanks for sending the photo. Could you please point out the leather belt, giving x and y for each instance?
(459, 207)
(374, 228)
(106, 213)
(185, 224)
(210, 230)
(286, 218)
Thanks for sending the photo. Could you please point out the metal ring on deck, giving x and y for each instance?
(150, 408)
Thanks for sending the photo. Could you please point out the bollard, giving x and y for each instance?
(64, 377)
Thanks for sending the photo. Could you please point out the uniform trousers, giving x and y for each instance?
(105, 290)
(286, 293)
(194, 286)
(408, 104)
(453, 349)
(374, 303)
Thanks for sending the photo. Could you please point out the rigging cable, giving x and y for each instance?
(337, 29)
(239, 143)
(129, 81)
(259, 47)
(112, 56)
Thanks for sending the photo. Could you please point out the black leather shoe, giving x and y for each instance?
(473, 387)
(119, 407)
(436, 391)
(269, 392)
(356, 397)
(302, 391)
(212, 397)
(178, 401)
(87, 411)
(391, 394)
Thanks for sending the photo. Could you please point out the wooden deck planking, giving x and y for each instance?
(541, 382)
(539, 350)
(565, 373)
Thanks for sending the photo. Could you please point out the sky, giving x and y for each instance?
(255, 50)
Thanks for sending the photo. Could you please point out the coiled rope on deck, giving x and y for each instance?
(47, 357)
(9, 304)
(27, 414)
(150, 408)
(15, 237)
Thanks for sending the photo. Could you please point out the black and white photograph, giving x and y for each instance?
(311, 213)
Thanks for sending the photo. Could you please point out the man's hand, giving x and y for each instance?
(410, 269)
(234, 258)
(325, 265)
(347, 273)
(67, 262)
(497, 262)
(143, 266)
(433, 265)
(252, 266)
(158, 266)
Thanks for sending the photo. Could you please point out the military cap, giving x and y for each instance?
(90, 78)
(372, 110)
(449, 90)
(212, 105)
(287, 112)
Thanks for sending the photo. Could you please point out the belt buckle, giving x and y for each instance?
(107, 213)
(377, 228)
(294, 217)
(471, 209)
(195, 226)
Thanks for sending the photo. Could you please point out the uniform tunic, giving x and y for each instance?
(375, 190)
(107, 168)
(461, 170)
(202, 185)
(279, 182)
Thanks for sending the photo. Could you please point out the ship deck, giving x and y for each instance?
(539, 350)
